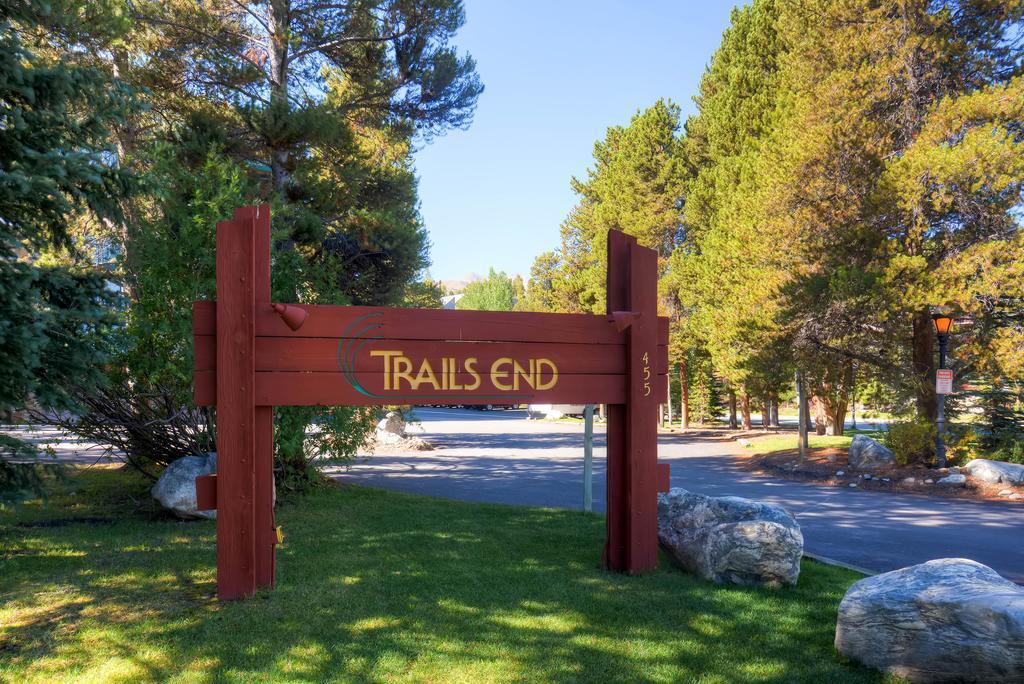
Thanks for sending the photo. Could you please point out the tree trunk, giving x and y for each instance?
(684, 394)
(732, 409)
(775, 413)
(841, 401)
(820, 415)
(766, 414)
(745, 409)
(668, 403)
(924, 365)
(277, 12)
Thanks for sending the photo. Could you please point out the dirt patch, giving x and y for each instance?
(828, 466)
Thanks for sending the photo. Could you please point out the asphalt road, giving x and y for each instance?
(501, 457)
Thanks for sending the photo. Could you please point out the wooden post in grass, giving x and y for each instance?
(236, 408)
(588, 458)
(632, 516)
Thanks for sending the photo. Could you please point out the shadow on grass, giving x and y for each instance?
(376, 585)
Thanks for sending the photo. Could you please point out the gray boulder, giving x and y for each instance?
(390, 432)
(391, 428)
(176, 488)
(867, 454)
(946, 620)
(953, 480)
(729, 539)
(995, 471)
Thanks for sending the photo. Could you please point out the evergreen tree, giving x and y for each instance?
(900, 170)
(55, 121)
(309, 105)
(634, 186)
(543, 288)
(725, 279)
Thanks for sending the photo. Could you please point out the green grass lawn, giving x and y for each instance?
(376, 586)
(772, 443)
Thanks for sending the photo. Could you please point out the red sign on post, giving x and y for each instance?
(943, 381)
(252, 355)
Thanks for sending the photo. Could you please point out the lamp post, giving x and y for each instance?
(943, 324)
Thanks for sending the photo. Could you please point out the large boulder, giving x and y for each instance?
(867, 454)
(176, 488)
(390, 429)
(390, 432)
(946, 620)
(995, 471)
(730, 540)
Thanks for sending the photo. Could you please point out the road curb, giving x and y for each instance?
(839, 564)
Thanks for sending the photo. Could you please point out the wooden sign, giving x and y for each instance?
(252, 355)
(943, 381)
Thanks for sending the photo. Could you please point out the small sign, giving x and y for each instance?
(943, 381)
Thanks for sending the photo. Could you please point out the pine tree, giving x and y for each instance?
(725, 280)
(900, 167)
(54, 166)
(309, 105)
(634, 186)
(543, 289)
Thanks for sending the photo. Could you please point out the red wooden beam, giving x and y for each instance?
(206, 492)
(335, 389)
(616, 514)
(236, 410)
(664, 477)
(645, 393)
(321, 354)
(432, 324)
(266, 535)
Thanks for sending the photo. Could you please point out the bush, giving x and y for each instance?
(966, 447)
(1010, 450)
(911, 441)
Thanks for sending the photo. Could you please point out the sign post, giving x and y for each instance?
(588, 457)
(252, 355)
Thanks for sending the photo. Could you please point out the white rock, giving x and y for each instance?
(910, 480)
(840, 473)
(865, 454)
(1005, 492)
(946, 620)
(954, 480)
(176, 487)
(866, 476)
(995, 471)
(729, 539)
(392, 423)
(853, 484)
(386, 437)
(929, 481)
(390, 431)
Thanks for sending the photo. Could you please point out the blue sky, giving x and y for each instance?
(556, 74)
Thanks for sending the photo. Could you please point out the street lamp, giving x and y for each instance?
(943, 324)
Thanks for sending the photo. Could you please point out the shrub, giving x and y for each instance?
(1010, 450)
(911, 441)
(966, 447)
